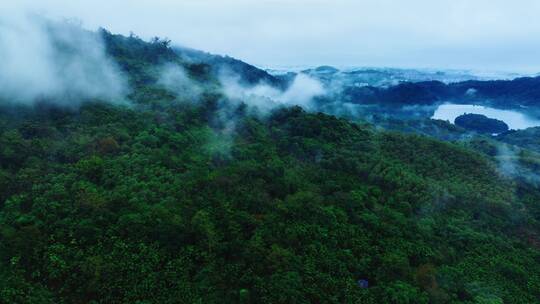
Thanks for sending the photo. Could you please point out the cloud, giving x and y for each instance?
(176, 80)
(302, 92)
(508, 158)
(56, 61)
(260, 99)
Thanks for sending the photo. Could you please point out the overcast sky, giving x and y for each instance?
(464, 34)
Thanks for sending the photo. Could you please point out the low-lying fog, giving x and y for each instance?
(514, 119)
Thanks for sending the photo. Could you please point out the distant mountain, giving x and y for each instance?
(523, 91)
(383, 86)
(517, 93)
(386, 77)
(390, 88)
(405, 87)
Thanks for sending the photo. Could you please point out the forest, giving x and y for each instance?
(170, 200)
(481, 123)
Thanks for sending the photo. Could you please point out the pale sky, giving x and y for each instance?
(486, 35)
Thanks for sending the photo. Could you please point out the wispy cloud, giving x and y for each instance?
(56, 61)
(301, 92)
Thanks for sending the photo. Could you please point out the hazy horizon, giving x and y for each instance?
(484, 35)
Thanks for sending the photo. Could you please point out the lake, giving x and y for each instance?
(514, 119)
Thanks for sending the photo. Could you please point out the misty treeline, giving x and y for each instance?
(60, 63)
(191, 194)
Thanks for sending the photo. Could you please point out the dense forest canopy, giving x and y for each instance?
(192, 197)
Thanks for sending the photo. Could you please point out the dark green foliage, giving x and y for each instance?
(296, 208)
(528, 138)
(481, 123)
(162, 202)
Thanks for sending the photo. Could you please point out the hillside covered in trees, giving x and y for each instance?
(172, 198)
(481, 123)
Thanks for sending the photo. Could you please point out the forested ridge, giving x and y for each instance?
(165, 200)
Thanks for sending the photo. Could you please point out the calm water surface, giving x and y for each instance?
(514, 119)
